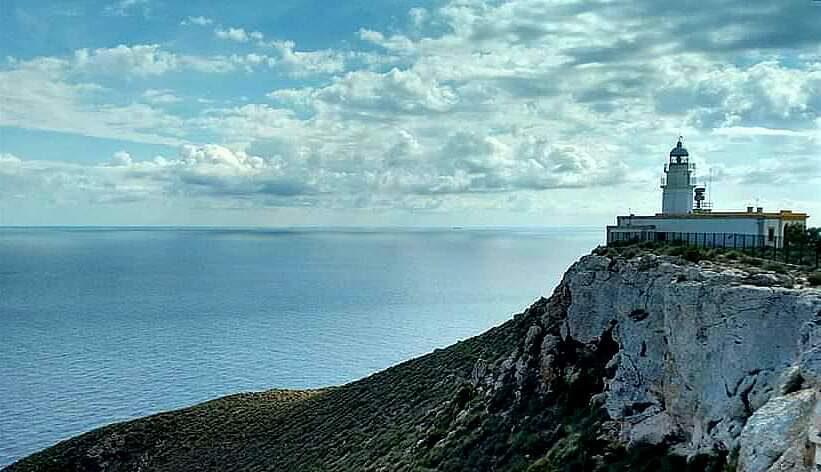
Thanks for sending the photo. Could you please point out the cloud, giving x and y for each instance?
(780, 171)
(418, 16)
(145, 60)
(8, 161)
(394, 92)
(397, 43)
(764, 95)
(45, 99)
(249, 122)
(197, 20)
(121, 158)
(139, 60)
(470, 164)
(322, 173)
(475, 104)
(210, 173)
(755, 131)
(160, 97)
(304, 63)
(286, 58)
(238, 35)
(64, 94)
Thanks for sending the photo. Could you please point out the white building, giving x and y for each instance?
(686, 216)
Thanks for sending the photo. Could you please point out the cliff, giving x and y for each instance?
(636, 362)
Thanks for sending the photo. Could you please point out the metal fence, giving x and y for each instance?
(706, 240)
(803, 252)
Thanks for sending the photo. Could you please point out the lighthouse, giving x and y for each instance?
(677, 183)
(686, 216)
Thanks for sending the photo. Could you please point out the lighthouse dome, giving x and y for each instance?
(679, 150)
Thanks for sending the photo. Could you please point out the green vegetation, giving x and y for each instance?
(799, 254)
(814, 279)
(775, 267)
(629, 250)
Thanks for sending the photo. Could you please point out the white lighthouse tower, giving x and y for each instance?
(688, 217)
(677, 182)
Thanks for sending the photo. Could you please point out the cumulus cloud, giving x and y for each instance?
(475, 104)
(8, 161)
(395, 91)
(238, 34)
(147, 60)
(249, 122)
(140, 60)
(209, 172)
(306, 174)
(471, 164)
(121, 158)
(764, 95)
(137, 61)
(303, 63)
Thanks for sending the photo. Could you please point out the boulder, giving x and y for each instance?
(775, 437)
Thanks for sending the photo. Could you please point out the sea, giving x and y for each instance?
(99, 325)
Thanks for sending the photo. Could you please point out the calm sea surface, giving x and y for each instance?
(100, 325)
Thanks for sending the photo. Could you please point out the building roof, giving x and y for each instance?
(679, 150)
(787, 215)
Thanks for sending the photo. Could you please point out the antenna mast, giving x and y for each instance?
(710, 188)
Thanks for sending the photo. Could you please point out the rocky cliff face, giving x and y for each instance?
(641, 363)
(710, 357)
(700, 360)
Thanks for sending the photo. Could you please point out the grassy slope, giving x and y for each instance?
(354, 427)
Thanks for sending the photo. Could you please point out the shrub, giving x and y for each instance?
(733, 255)
(606, 251)
(777, 268)
(526, 440)
(694, 254)
(752, 261)
(631, 253)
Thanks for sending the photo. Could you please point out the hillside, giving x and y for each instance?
(636, 362)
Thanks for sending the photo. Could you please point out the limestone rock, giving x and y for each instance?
(775, 436)
(702, 346)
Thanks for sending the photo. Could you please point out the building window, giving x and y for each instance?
(770, 233)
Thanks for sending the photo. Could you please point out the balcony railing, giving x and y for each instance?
(691, 167)
(663, 181)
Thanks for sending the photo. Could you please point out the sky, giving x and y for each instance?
(394, 113)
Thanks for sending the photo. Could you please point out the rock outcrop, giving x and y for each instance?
(706, 359)
(643, 363)
(701, 349)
